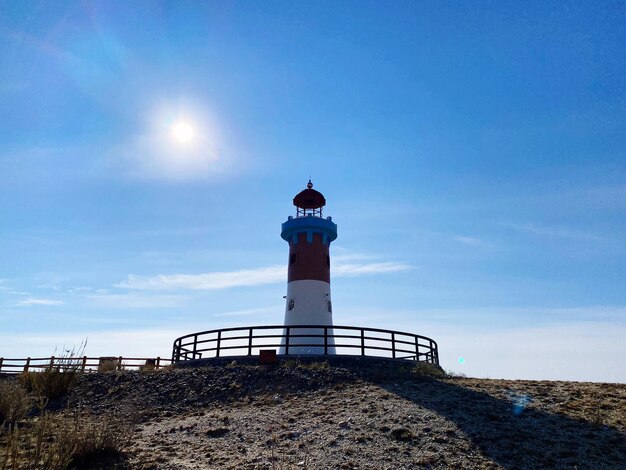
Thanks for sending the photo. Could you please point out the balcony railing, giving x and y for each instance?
(315, 339)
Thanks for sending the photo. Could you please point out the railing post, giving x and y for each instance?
(393, 345)
(157, 364)
(325, 341)
(84, 363)
(27, 365)
(1, 361)
(417, 349)
(119, 363)
(219, 343)
(195, 345)
(51, 362)
(250, 342)
(362, 342)
(287, 341)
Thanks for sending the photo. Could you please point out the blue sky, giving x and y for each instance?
(471, 153)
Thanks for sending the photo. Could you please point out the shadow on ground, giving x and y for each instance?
(515, 436)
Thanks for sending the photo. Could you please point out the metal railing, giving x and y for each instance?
(315, 339)
(81, 363)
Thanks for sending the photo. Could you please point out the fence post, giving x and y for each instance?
(250, 342)
(119, 363)
(27, 365)
(417, 349)
(325, 341)
(1, 361)
(435, 353)
(195, 345)
(362, 342)
(287, 341)
(84, 363)
(219, 343)
(393, 345)
(157, 364)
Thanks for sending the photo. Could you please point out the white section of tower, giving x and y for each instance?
(308, 302)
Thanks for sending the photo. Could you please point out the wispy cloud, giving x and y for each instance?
(134, 301)
(248, 277)
(554, 231)
(8, 290)
(471, 241)
(208, 281)
(355, 269)
(32, 301)
(246, 312)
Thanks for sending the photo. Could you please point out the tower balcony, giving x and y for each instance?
(309, 225)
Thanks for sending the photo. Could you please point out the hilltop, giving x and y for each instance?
(368, 415)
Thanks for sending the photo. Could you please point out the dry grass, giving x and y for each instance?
(56, 442)
(14, 403)
(57, 379)
(50, 441)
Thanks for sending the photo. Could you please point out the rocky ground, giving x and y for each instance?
(321, 416)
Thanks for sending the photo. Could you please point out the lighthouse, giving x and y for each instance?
(308, 300)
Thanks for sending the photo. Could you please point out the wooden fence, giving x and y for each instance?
(85, 364)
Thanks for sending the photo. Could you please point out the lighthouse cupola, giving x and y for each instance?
(308, 300)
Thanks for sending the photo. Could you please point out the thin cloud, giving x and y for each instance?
(32, 301)
(245, 312)
(208, 281)
(547, 231)
(355, 269)
(247, 277)
(135, 301)
(471, 241)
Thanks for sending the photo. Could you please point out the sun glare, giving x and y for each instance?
(182, 132)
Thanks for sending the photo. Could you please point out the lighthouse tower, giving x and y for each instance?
(308, 299)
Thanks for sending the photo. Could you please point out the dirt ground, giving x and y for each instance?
(318, 416)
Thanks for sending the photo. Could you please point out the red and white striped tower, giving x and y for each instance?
(308, 299)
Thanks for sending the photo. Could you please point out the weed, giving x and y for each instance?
(57, 442)
(14, 403)
(56, 380)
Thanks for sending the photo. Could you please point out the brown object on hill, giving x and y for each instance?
(371, 415)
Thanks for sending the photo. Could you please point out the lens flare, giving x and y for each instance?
(461, 360)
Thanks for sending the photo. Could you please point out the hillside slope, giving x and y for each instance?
(381, 416)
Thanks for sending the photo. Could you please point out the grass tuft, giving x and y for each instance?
(14, 403)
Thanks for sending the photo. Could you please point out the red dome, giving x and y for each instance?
(309, 198)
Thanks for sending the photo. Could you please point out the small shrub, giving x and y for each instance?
(56, 379)
(14, 403)
(290, 363)
(52, 383)
(97, 442)
(321, 366)
(427, 369)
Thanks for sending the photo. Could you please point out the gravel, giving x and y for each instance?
(365, 416)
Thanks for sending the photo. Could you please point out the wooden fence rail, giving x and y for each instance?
(84, 363)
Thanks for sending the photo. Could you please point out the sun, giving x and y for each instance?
(182, 132)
